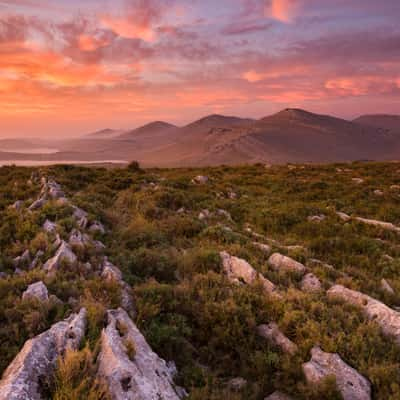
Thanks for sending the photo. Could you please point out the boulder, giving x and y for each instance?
(28, 374)
(204, 214)
(265, 248)
(343, 216)
(386, 286)
(97, 227)
(129, 367)
(378, 193)
(50, 227)
(278, 396)
(310, 283)
(78, 213)
(236, 384)
(225, 214)
(358, 181)
(36, 290)
(200, 179)
(111, 272)
(387, 318)
(279, 262)
(37, 204)
(18, 205)
(79, 239)
(238, 270)
(273, 335)
(64, 254)
(351, 384)
(379, 224)
(316, 218)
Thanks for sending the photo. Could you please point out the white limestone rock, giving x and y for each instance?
(64, 254)
(26, 375)
(131, 370)
(379, 224)
(200, 179)
(97, 227)
(310, 283)
(36, 290)
(265, 248)
(50, 227)
(279, 262)
(351, 384)
(386, 286)
(273, 335)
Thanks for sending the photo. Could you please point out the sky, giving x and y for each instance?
(69, 67)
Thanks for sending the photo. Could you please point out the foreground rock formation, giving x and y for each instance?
(29, 375)
(273, 334)
(130, 368)
(387, 318)
(350, 383)
(280, 262)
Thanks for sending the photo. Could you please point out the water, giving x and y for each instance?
(35, 163)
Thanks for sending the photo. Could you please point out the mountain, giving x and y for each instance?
(384, 121)
(103, 134)
(217, 121)
(153, 128)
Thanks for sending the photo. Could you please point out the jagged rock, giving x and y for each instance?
(97, 227)
(387, 318)
(182, 210)
(131, 370)
(386, 286)
(27, 375)
(395, 187)
(82, 223)
(111, 272)
(358, 181)
(237, 384)
(380, 224)
(204, 214)
(78, 213)
(225, 214)
(79, 239)
(316, 218)
(55, 192)
(265, 248)
(36, 290)
(273, 335)
(278, 396)
(98, 246)
(64, 254)
(22, 260)
(351, 384)
(200, 179)
(39, 203)
(343, 216)
(378, 192)
(279, 262)
(310, 283)
(18, 205)
(50, 227)
(57, 242)
(238, 270)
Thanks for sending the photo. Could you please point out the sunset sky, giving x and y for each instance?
(73, 66)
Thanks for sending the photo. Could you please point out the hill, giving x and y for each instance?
(385, 121)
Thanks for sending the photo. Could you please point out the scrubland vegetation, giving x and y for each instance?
(186, 308)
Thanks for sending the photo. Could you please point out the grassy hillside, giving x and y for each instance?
(186, 308)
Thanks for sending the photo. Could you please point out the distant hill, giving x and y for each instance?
(104, 134)
(385, 121)
(291, 135)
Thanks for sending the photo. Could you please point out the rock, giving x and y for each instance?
(343, 216)
(204, 214)
(358, 181)
(310, 283)
(273, 335)
(378, 192)
(395, 187)
(279, 262)
(316, 218)
(39, 203)
(379, 224)
(57, 242)
(237, 384)
(387, 318)
(78, 213)
(27, 375)
(131, 370)
(265, 248)
(200, 179)
(36, 290)
(225, 214)
(64, 254)
(97, 227)
(78, 239)
(278, 396)
(238, 270)
(111, 272)
(232, 195)
(386, 286)
(82, 223)
(50, 227)
(182, 210)
(22, 260)
(350, 383)
(387, 258)
(18, 205)
(318, 263)
(3, 275)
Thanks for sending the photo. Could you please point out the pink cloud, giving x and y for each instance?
(282, 10)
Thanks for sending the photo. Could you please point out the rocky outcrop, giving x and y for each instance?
(29, 374)
(278, 396)
(379, 224)
(63, 255)
(97, 227)
(279, 262)
(265, 248)
(79, 240)
(310, 283)
(204, 214)
(37, 204)
(18, 205)
(274, 335)
(200, 179)
(386, 286)
(343, 216)
(22, 260)
(238, 270)
(387, 318)
(350, 383)
(50, 227)
(37, 291)
(129, 367)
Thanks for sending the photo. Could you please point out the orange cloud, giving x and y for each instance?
(128, 29)
(90, 43)
(282, 10)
